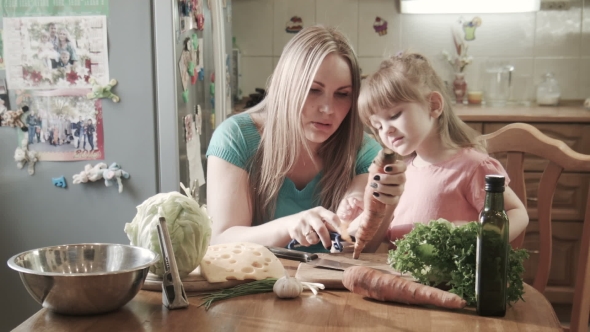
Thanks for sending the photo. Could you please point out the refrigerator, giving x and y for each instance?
(143, 133)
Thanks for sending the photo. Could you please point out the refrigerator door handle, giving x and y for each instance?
(219, 55)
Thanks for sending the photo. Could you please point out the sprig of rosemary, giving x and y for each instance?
(254, 287)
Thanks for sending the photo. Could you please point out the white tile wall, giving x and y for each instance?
(534, 43)
(584, 78)
(252, 25)
(342, 14)
(585, 50)
(558, 32)
(257, 70)
(369, 64)
(284, 10)
(371, 44)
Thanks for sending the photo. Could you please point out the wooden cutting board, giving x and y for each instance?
(193, 283)
(332, 279)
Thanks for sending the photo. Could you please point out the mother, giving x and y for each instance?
(64, 44)
(277, 171)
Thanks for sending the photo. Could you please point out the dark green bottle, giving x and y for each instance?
(492, 251)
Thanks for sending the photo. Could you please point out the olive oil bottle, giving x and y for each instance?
(492, 251)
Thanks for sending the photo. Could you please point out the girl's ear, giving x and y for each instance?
(437, 104)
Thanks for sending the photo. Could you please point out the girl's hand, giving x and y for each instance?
(387, 187)
(311, 226)
(350, 207)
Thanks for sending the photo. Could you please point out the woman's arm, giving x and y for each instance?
(517, 214)
(229, 205)
(73, 54)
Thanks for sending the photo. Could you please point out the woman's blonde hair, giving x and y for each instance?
(409, 77)
(283, 139)
(66, 32)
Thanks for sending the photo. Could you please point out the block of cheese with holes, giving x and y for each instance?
(240, 261)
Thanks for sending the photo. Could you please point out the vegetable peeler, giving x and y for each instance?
(173, 294)
(335, 237)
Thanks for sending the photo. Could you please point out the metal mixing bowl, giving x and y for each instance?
(82, 279)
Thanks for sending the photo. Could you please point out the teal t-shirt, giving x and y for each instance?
(236, 139)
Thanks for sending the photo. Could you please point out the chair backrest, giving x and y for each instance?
(516, 139)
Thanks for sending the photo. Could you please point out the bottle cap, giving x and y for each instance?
(494, 183)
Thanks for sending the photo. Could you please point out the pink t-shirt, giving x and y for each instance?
(453, 189)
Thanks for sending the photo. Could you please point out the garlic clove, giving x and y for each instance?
(287, 287)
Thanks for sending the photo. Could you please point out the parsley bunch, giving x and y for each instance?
(443, 254)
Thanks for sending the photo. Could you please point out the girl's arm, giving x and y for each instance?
(229, 206)
(517, 214)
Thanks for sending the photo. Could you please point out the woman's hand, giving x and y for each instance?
(311, 226)
(387, 187)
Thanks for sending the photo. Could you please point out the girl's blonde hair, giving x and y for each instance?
(283, 139)
(409, 77)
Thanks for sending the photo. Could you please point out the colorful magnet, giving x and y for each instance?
(469, 28)
(22, 156)
(99, 91)
(198, 119)
(294, 25)
(59, 182)
(380, 26)
(114, 175)
(198, 16)
(188, 127)
(90, 173)
(202, 74)
(13, 118)
(185, 95)
(183, 64)
(194, 76)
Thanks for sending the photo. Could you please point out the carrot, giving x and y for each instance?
(381, 286)
(374, 210)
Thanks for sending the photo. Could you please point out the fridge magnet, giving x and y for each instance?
(100, 91)
(294, 25)
(59, 182)
(193, 148)
(14, 118)
(183, 66)
(469, 28)
(114, 175)
(380, 26)
(55, 52)
(64, 125)
(198, 17)
(200, 59)
(22, 156)
(90, 173)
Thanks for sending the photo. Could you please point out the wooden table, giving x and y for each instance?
(328, 311)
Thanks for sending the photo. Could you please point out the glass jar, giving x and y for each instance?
(548, 91)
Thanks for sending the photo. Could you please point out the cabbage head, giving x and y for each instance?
(188, 224)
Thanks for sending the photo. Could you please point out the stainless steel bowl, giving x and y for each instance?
(83, 279)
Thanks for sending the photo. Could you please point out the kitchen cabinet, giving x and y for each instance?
(570, 124)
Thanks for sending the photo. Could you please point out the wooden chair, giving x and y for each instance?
(516, 139)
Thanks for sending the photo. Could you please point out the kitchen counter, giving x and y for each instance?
(550, 114)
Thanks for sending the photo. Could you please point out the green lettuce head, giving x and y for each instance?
(188, 224)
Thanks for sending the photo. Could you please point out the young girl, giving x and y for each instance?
(46, 52)
(407, 108)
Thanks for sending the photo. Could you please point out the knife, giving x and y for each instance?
(315, 261)
(294, 255)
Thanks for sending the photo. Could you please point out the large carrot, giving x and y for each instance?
(381, 286)
(374, 210)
